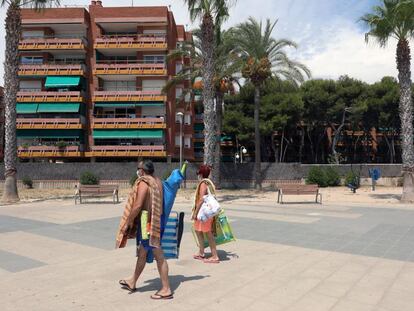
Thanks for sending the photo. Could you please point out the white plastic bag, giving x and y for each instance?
(209, 208)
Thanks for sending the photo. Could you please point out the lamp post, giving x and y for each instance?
(243, 150)
(180, 115)
(236, 157)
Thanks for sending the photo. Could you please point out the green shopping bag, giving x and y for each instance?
(224, 233)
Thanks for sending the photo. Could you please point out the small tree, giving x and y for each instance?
(88, 178)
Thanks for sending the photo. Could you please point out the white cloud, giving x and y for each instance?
(346, 53)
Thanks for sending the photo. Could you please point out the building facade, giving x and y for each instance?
(91, 85)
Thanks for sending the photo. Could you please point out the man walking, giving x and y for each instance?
(145, 205)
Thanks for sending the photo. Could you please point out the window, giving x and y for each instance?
(187, 97)
(177, 140)
(187, 119)
(178, 67)
(26, 34)
(153, 85)
(119, 85)
(187, 142)
(31, 60)
(154, 59)
(30, 85)
(178, 92)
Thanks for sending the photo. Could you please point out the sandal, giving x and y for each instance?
(157, 296)
(199, 257)
(125, 285)
(209, 260)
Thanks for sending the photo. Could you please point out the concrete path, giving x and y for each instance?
(58, 256)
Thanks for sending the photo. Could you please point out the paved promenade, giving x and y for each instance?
(338, 257)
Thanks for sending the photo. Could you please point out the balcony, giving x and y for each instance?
(124, 95)
(129, 123)
(127, 151)
(138, 42)
(138, 68)
(48, 151)
(52, 43)
(36, 96)
(30, 123)
(51, 69)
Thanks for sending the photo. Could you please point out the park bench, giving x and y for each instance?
(96, 191)
(298, 189)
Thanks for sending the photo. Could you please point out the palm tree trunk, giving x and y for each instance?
(217, 153)
(257, 166)
(406, 116)
(11, 85)
(207, 49)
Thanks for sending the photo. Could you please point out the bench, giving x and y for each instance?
(298, 189)
(96, 191)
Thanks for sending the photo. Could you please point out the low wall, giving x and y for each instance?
(56, 175)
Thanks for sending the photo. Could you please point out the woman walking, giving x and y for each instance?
(207, 226)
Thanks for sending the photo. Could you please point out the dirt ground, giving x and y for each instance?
(382, 195)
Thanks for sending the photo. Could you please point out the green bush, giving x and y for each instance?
(88, 178)
(333, 179)
(27, 181)
(353, 179)
(316, 175)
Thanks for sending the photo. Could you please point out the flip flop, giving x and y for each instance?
(211, 261)
(157, 296)
(125, 285)
(199, 257)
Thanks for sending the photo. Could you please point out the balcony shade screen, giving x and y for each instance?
(198, 127)
(26, 108)
(128, 134)
(53, 82)
(48, 133)
(131, 104)
(58, 107)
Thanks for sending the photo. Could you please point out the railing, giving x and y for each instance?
(34, 95)
(48, 123)
(128, 148)
(128, 67)
(129, 123)
(131, 41)
(48, 151)
(53, 42)
(129, 62)
(51, 69)
(125, 94)
(54, 62)
(127, 151)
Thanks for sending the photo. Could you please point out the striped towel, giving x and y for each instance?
(171, 238)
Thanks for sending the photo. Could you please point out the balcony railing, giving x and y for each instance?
(144, 123)
(48, 123)
(108, 67)
(34, 96)
(53, 43)
(123, 94)
(131, 42)
(51, 69)
(127, 151)
(48, 151)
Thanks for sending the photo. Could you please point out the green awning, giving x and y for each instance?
(61, 81)
(128, 134)
(26, 108)
(58, 107)
(130, 104)
(199, 127)
(48, 133)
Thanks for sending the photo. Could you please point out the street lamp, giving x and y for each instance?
(180, 116)
(236, 157)
(243, 150)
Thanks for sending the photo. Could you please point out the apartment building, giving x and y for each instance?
(91, 84)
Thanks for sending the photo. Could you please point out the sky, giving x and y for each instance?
(329, 36)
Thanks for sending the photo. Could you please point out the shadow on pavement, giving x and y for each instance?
(225, 256)
(386, 196)
(175, 282)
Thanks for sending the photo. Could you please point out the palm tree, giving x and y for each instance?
(211, 13)
(263, 57)
(11, 86)
(395, 19)
(226, 67)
